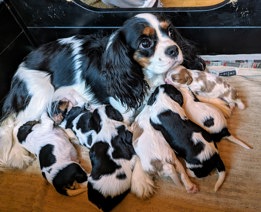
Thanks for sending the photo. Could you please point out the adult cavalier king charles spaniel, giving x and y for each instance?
(118, 69)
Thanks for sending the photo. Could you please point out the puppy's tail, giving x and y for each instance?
(221, 173)
(224, 133)
(141, 183)
(237, 141)
(218, 103)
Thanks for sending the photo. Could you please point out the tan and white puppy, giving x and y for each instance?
(208, 117)
(206, 85)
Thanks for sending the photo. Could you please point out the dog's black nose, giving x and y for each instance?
(172, 51)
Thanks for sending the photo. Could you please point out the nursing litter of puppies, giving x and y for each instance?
(139, 100)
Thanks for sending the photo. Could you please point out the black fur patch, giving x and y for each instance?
(208, 165)
(95, 121)
(153, 96)
(178, 134)
(121, 176)
(43, 174)
(66, 177)
(112, 113)
(89, 140)
(104, 203)
(18, 98)
(173, 93)
(122, 144)
(71, 115)
(84, 122)
(24, 130)
(170, 90)
(219, 135)
(46, 156)
(101, 162)
(209, 122)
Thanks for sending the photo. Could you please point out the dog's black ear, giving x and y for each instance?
(190, 54)
(17, 99)
(124, 76)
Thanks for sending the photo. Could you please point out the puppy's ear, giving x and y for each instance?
(123, 75)
(188, 78)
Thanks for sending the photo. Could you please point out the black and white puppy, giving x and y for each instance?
(77, 120)
(112, 166)
(111, 152)
(116, 69)
(188, 140)
(208, 117)
(56, 155)
(156, 156)
(112, 158)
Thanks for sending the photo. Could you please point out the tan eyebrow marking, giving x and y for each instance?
(148, 31)
(164, 25)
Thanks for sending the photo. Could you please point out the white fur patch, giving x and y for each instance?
(110, 185)
(209, 147)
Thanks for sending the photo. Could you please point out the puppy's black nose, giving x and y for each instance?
(172, 51)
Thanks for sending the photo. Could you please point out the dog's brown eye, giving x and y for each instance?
(146, 43)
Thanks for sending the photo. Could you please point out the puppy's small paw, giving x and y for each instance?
(192, 189)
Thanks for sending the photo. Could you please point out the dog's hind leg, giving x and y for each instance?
(170, 171)
(190, 187)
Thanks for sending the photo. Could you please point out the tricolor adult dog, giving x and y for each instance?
(116, 69)
(189, 140)
(56, 155)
